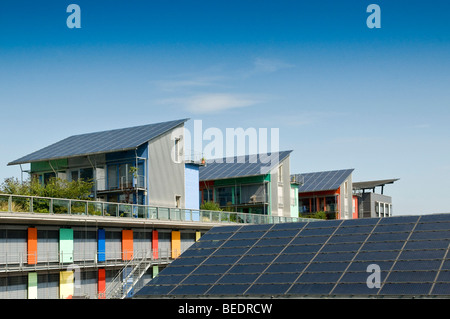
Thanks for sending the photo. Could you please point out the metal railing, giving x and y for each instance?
(52, 206)
(45, 260)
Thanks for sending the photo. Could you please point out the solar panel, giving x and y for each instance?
(321, 181)
(100, 142)
(324, 258)
(240, 166)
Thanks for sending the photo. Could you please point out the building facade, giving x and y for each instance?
(329, 192)
(248, 184)
(373, 203)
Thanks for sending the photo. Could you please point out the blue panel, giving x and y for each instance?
(191, 177)
(101, 248)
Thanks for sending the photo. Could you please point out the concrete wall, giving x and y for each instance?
(346, 199)
(283, 187)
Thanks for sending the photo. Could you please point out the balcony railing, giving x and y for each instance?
(55, 206)
(125, 182)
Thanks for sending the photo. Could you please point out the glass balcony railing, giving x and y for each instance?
(61, 206)
(102, 184)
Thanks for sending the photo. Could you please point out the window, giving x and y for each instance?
(280, 174)
(112, 176)
(74, 175)
(178, 201)
(177, 150)
(280, 196)
(86, 174)
(224, 196)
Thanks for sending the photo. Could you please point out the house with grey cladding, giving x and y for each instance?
(139, 165)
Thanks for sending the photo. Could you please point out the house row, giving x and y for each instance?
(148, 165)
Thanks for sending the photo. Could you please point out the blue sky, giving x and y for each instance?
(341, 94)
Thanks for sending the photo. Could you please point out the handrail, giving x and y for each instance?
(49, 205)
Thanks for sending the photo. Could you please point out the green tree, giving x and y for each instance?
(55, 187)
(210, 206)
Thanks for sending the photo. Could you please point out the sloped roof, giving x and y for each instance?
(311, 259)
(241, 166)
(100, 142)
(322, 181)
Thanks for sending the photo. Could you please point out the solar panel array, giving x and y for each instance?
(240, 166)
(100, 142)
(326, 258)
(323, 181)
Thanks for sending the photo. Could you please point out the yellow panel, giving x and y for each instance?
(176, 244)
(198, 235)
(66, 287)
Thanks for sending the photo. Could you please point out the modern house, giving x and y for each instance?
(140, 165)
(258, 184)
(372, 203)
(329, 192)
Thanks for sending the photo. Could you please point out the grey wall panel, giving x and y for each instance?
(166, 178)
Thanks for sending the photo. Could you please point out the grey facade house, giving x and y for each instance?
(371, 202)
(139, 165)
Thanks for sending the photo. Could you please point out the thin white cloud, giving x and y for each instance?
(190, 83)
(214, 102)
(263, 65)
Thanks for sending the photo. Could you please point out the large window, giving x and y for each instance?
(112, 177)
(224, 195)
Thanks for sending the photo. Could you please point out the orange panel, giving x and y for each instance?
(127, 244)
(32, 246)
(176, 244)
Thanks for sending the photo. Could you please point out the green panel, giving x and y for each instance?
(66, 245)
(155, 271)
(45, 166)
(32, 285)
(242, 180)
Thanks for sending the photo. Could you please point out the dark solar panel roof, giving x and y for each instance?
(100, 142)
(375, 257)
(240, 166)
(322, 181)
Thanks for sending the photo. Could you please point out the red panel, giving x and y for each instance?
(155, 244)
(32, 246)
(101, 283)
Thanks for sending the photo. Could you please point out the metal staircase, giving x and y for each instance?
(128, 277)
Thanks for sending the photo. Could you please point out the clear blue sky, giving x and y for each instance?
(342, 95)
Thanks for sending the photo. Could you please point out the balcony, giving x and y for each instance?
(125, 183)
